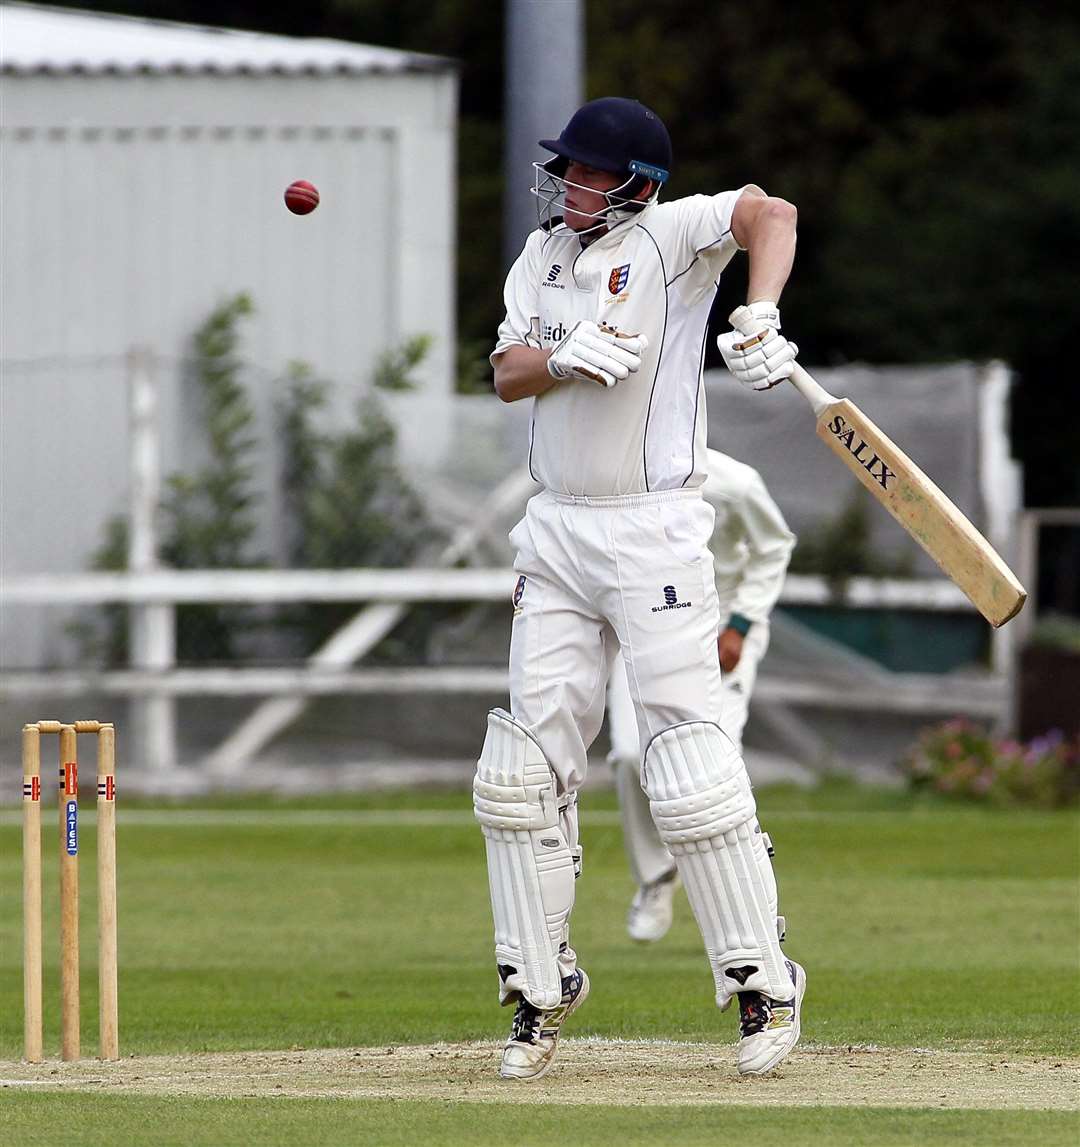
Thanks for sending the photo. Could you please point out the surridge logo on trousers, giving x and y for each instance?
(671, 601)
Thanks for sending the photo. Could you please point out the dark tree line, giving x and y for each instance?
(933, 152)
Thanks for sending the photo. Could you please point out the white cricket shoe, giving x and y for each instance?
(530, 1050)
(768, 1028)
(652, 909)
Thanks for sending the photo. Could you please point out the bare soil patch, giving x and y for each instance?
(588, 1071)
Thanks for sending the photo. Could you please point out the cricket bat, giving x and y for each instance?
(964, 555)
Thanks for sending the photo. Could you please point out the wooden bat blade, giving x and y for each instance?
(922, 509)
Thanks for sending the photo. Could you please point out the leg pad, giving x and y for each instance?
(705, 812)
(531, 864)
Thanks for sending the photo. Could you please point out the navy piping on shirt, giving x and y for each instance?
(656, 373)
(697, 255)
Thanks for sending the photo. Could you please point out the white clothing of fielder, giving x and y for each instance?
(613, 556)
(751, 546)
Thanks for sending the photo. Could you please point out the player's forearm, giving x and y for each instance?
(521, 372)
(771, 250)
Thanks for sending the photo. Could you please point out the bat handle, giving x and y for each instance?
(814, 393)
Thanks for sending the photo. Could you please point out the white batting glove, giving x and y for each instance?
(596, 354)
(762, 358)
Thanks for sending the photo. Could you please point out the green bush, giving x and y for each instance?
(960, 759)
(840, 547)
(207, 514)
(347, 503)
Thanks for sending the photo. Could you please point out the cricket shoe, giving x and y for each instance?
(769, 1028)
(652, 908)
(530, 1050)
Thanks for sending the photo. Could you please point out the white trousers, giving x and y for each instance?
(598, 576)
(601, 575)
(649, 859)
(632, 574)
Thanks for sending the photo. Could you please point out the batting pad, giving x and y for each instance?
(705, 813)
(530, 863)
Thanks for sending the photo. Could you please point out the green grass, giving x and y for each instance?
(920, 923)
(105, 1121)
(913, 922)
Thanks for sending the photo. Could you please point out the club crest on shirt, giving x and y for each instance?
(618, 278)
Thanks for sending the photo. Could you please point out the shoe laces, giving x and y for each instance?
(755, 1011)
(526, 1025)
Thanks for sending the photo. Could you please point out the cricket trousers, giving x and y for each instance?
(649, 858)
(600, 577)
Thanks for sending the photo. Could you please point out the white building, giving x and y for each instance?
(143, 170)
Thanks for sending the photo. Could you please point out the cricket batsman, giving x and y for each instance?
(607, 309)
(751, 547)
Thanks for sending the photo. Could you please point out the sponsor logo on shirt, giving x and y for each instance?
(671, 601)
(618, 278)
(554, 271)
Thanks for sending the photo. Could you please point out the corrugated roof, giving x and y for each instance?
(37, 39)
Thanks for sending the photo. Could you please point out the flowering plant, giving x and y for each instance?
(963, 760)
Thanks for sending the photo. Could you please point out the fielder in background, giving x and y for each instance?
(751, 546)
(607, 310)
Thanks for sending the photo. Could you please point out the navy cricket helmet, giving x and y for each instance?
(617, 135)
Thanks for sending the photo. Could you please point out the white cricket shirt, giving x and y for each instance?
(654, 274)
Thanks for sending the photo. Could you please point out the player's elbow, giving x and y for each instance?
(780, 213)
(504, 386)
(501, 374)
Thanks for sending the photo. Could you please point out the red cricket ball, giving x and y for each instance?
(301, 197)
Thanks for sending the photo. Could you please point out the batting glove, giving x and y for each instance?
(597, 354)
(762, 358)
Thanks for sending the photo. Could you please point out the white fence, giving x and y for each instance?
(157, 681)
(475, 488)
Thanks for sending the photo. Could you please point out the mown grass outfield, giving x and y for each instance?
(333, 941)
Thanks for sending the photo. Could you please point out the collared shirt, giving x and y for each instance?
(653, 274)
(751, 542)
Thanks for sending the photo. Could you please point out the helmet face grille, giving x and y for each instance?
(550, 191)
